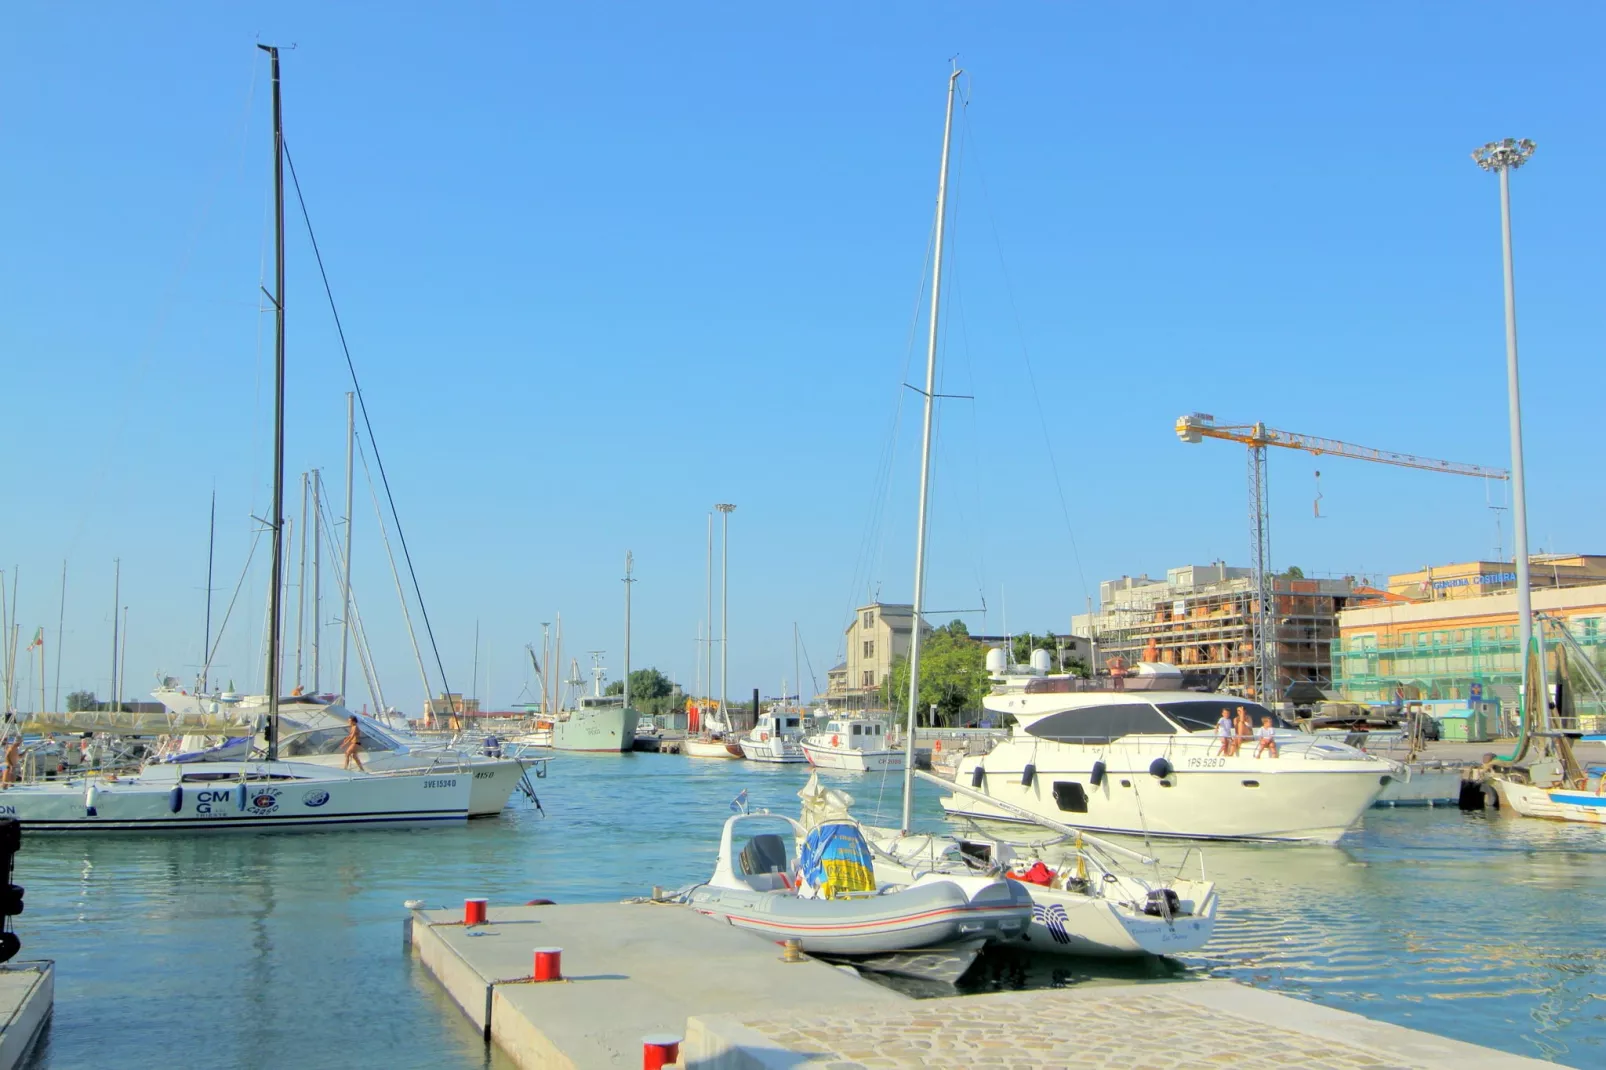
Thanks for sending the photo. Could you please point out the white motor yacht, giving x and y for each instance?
(855, 744)
(1146, 760)
(777, 737)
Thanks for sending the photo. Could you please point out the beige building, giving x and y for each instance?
(1474, 579)
(878, 635)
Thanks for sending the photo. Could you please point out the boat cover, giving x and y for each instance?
(835, 860)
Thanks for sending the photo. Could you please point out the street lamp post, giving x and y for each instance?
(1503, 157)
(725, 510)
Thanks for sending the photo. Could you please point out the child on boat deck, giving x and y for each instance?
(1224, 734)
(1268, 738)
(13, 760)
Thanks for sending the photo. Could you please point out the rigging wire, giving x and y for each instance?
(362, 403)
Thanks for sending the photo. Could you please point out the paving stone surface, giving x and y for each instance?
(1024, 1031)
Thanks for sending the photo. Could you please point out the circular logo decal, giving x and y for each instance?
(264, 801)
(315, 798)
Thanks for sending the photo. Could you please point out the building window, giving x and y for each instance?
(869, 618)
(869, 648)
(1591, 627)
(868, 679)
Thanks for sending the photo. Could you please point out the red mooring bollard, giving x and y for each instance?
(548, 964)
(659, 1050)
(474, 911)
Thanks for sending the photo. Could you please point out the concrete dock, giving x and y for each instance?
(633, 969)
(27, 995)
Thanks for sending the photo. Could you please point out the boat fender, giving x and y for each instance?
(175, 799)
(1098, 774)
(977, 776)
(241, 804)
(90, 797)
(1028, 775)
(1159, 768)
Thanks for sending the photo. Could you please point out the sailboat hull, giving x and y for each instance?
(236, 797)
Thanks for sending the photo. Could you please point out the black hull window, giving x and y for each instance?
(1100, 724)
(1070, 796)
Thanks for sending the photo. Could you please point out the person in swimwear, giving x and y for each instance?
(351, 745)
(1243, 727)
(1224, 733)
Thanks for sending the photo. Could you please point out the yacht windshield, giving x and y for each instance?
(1088, 724)
(1201, 715)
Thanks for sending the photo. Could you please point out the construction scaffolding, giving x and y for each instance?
(1207, 619)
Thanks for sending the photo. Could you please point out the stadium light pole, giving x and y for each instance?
(1504, 157)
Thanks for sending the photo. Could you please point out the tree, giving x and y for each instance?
(953, 676)
(1025, 644)
(81, 701)
(651, 692)
(1294, 573)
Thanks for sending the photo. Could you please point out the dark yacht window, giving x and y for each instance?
(1100, 724)
(1201, 715)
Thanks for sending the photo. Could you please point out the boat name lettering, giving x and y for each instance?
(440, 783)
(205, 799)
(1206, 763)
(8, 811)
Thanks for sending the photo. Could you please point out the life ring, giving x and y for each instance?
(937, 746)
(835, 742)
(763, 737)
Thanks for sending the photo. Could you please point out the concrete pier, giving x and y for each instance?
(27, 995)
(629, 970)
(635, 969)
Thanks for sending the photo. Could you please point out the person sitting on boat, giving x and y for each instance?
(351, 745)
(13, 763)
(1224, 733)
(1268, 738)
(1243, 728)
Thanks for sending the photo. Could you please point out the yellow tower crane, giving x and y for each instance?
(1198, 426)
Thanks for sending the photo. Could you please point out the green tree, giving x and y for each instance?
(1294, 573)
(953, 676)
(80, 701)
(651, 692)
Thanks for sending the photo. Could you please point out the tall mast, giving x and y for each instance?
(345, 565)
(61, 627)
(301, 585)
(925, 466)
(277, 515)
(317, 575)
(630, 564)
(211, 545)
(708, 650)
(117, 598)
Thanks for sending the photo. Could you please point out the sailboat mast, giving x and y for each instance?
(345, 565)
(277, 515)
(117, 597)
(301, 585)
(708, 650)
(630, 564)
(317, 575)
(211, 546)
(61, 629)
(925, 465)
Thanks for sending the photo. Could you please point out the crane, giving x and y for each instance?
(1198, 426)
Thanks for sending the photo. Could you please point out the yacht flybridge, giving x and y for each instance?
(1147, 759)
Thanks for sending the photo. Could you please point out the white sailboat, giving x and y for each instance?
(271, 793)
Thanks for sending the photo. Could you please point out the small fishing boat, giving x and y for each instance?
(711, 745)
(820, 890)
(777, 737)
(855, 744)
(1556, 789)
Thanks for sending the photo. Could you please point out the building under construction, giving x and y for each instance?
(1202, 618)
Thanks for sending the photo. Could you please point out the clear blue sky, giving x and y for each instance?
(602, 266)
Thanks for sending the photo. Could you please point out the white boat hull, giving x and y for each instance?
(1069, 923)
(1203, 796)
(1423, 785)
(853, 761)
(1554, 804)
(774, 749)
(609, 730)
(271, 796)
(694, 747)
(494, 779)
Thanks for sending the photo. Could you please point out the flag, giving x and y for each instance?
(739, 804)
(38, 640)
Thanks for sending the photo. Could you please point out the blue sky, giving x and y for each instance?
(602, 266)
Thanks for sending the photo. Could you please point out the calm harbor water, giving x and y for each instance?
(286, 950)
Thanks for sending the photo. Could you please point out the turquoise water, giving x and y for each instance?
(286, 950)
